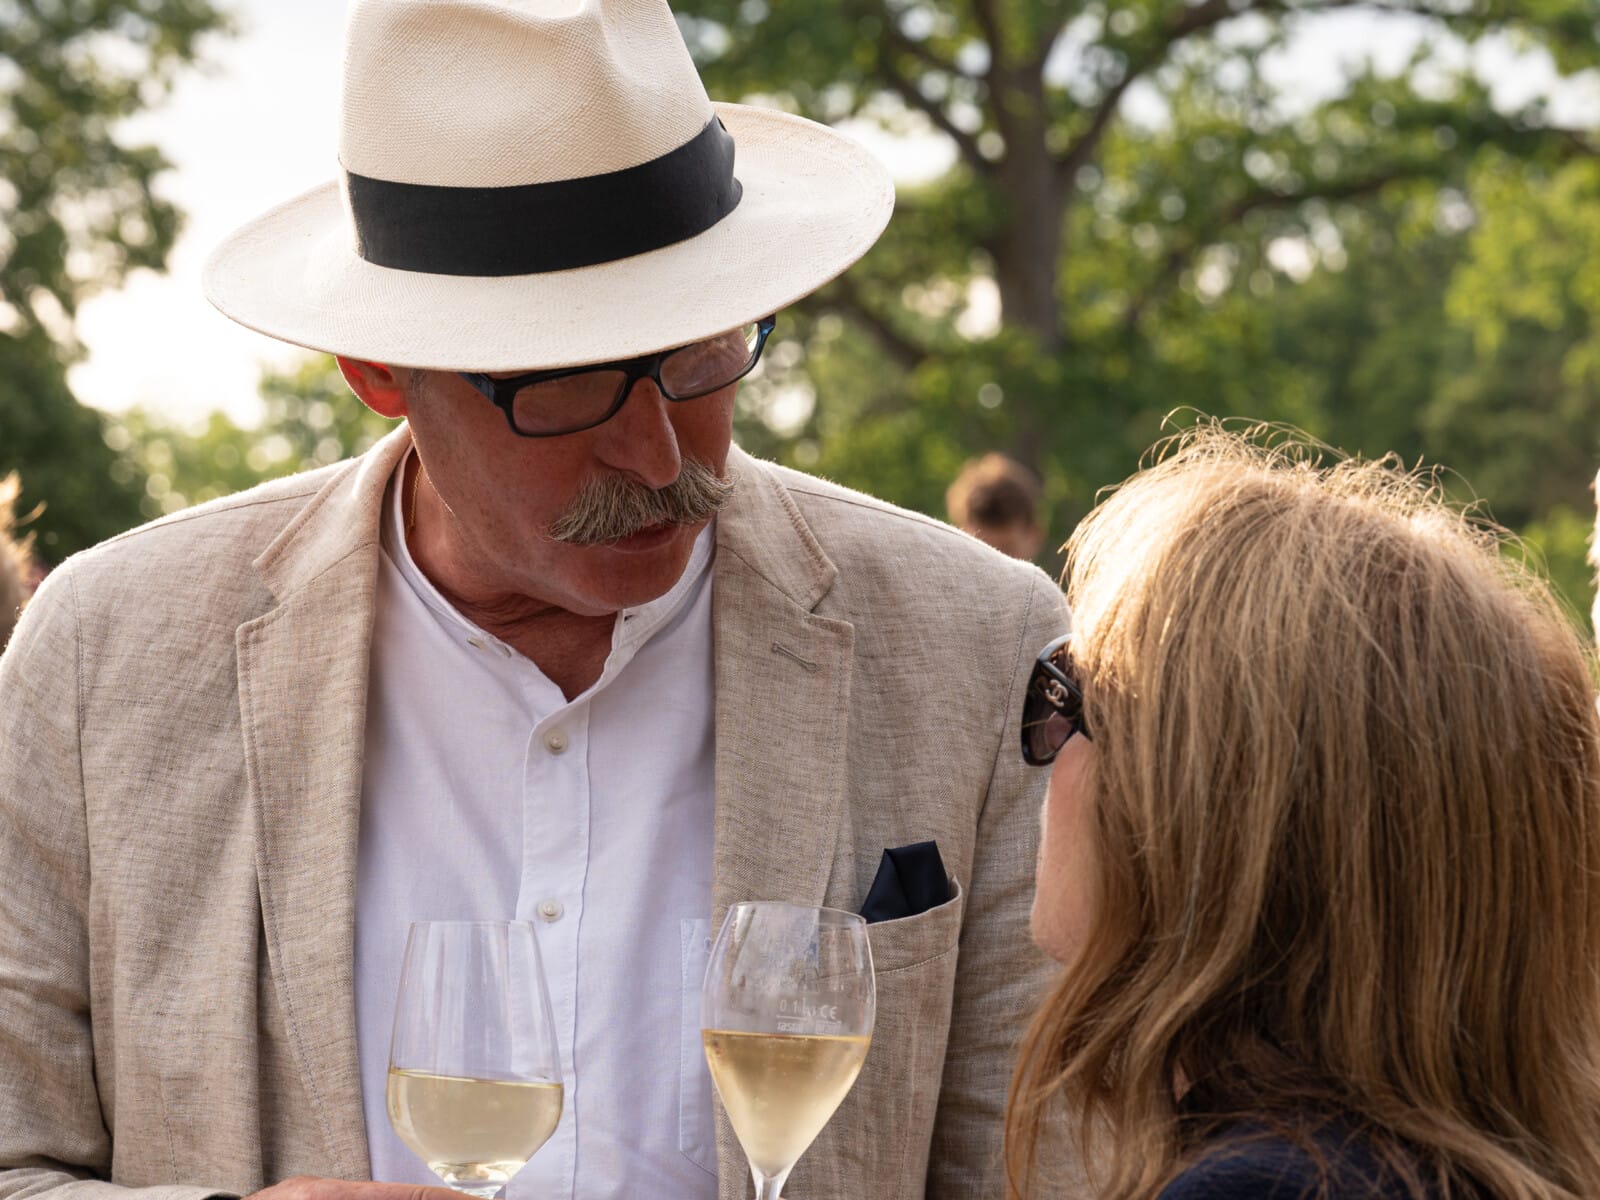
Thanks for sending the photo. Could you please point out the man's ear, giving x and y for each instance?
(377, 386)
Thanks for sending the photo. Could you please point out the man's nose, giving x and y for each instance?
(640, 440)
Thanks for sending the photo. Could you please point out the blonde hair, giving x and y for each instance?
(14, 560)
(1347, 805)
(1594, 559)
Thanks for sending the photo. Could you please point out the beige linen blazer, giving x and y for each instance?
(181, 729)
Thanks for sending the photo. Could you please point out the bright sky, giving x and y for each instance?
(256, 128)
(260, 126)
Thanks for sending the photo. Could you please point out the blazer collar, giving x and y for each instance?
(782, 699)
(340, 520)
(764, 529)
(302, 675)
(782, 711)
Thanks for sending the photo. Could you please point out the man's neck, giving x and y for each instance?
(569, 648)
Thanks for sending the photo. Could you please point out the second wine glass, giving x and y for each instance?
(786, 1017)
(474, 1073)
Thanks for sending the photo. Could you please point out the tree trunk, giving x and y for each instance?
(1027, 250)
(1027, 253)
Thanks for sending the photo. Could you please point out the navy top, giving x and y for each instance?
(1249, 1163)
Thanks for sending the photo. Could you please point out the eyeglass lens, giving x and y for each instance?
(572, 401)
(586, 397)
(706, 366)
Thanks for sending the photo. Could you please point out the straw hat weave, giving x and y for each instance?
(544, 183)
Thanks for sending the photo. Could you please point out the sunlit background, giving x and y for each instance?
(1379, 226)
(255, 124)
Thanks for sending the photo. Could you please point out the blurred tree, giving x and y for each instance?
(309, 419)
(78, 212)
(1525, 401)
(1121, 170)
(1469, 344)
(55, 444)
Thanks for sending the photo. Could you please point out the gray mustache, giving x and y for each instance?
(614, 507)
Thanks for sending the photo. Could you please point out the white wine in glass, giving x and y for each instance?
(786, 1018)
(474, 1072)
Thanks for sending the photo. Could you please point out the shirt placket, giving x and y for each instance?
(555, 860)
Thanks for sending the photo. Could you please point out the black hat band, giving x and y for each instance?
(536, 227)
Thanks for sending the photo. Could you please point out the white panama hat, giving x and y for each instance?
(544, 183)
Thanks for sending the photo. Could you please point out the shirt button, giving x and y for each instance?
(555, 741)
(550, 910)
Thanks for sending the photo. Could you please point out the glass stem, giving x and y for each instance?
(768, 1187)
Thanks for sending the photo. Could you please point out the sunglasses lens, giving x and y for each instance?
(1056, 730)
(1051, 712)
(1044, 729)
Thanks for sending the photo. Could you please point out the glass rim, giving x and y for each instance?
(471, 923)
(848, 917)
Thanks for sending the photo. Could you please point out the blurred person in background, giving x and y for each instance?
(1321, 852)
(996, 500)
(16, 565)
(555, 649)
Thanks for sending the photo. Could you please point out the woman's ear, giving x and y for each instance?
(377, 386)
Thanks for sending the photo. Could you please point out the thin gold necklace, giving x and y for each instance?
(411, 516)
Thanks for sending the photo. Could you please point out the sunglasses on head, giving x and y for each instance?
(1052, 707)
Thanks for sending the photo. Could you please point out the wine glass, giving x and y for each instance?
(786, 1017)
(474, 1073)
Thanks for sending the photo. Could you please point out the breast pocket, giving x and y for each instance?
(914, 960)
(884, 1128)
(911, 941)
(697, 1134)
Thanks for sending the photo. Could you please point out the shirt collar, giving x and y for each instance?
(632, 629)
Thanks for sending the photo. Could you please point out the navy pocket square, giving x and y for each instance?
(910, 880)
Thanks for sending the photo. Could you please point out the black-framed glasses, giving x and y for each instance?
(1052, 707)
(568, 399)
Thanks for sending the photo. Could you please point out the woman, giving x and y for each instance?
(1321, 849)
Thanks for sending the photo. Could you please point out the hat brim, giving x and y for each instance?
(814, 202)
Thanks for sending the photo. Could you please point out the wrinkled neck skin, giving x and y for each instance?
(570, 648)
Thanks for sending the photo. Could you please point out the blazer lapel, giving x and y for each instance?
(783, 699)
(302, 695)
(783, 691)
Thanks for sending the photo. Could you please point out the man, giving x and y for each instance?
(996, 499)
(554, 650)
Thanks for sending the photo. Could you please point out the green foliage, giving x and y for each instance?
(1558, 543)
(1168, 223)
(78, 211)
(56, 443)
(310, 420)
(1526, 401)
(1160, 220)
(79, 208)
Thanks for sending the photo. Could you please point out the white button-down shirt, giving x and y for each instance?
(487, 795)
